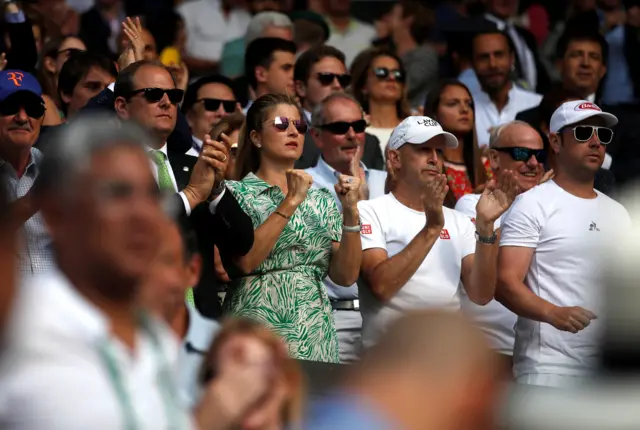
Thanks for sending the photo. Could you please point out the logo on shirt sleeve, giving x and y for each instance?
(366, 229)
(444, 234)
(473, 220)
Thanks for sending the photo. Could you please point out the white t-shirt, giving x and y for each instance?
(568, 234)
(390, 225)
(494, 319)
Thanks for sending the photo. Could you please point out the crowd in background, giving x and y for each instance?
(198, 196)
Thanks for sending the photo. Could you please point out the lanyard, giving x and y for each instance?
(165, 384)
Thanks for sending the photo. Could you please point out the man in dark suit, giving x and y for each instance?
(145, 92)
(321, 71)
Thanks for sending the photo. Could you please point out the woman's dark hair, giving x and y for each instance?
(470, 149)
(360, 73)
(248, 158)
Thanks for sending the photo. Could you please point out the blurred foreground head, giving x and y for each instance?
(431, 370)
(101, 204)
(7, 257)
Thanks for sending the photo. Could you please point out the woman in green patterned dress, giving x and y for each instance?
(300, 236)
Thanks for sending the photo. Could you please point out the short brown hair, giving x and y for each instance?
(423, 19)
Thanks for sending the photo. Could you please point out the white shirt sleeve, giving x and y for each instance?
(467, 205)
(214, 203)
(185, 201)
(522, 224)
(372, 234)
(468, 230)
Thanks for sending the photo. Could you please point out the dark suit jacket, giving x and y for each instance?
(372, 157)
(95, 33)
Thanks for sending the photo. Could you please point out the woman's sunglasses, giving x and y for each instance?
(327, 79)
(385, 74)
(524, 154)
(282, 124)
(583, 133)
(213, 105)
(154, 95)
(342, 127)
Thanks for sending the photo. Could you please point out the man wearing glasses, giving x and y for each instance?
(518, 147)
(550, 263)
(146, 93)
(338, 131)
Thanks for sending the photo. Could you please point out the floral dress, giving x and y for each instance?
(286, 291)
(458, 178)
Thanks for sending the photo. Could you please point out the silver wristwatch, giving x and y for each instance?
(352, 228)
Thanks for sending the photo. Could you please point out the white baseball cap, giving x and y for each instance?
(418, 130)
(578, 110)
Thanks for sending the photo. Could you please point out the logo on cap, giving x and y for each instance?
(16, 78)
(428, 122)
(585, 106)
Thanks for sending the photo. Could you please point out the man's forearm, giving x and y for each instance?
(481, 285)
(345, 263)
(520, 300)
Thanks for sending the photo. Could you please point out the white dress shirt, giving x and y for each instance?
(196, 147)
(488, 117)
(209, 29)
(64, 370)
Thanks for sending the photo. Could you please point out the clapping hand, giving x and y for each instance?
(496, 198)
(433, 200)
(133, 30)
(209, 170)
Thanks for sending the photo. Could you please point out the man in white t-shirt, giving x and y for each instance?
(549, 264)
(416, 251)
(518, 147)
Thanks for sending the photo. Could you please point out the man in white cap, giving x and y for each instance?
(549, 263)
(416, 251)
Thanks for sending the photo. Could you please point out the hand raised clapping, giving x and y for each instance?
(433, 199)
(497, 198)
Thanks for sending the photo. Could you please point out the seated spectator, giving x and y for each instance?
(282, 406)
(410, 240)
(309, 30)
(349, 34)
(100, 27)
(300, 237)
(379, 85)
(206, 102)
(451, 104)
(319, 72)
(7, 260)
(411, 24)
(263, 24)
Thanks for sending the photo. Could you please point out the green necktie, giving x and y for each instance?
(189, 297)
(164, 178)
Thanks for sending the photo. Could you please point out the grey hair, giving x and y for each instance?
(318, 116)
(494, 137)
(71, 148)
(262, 21)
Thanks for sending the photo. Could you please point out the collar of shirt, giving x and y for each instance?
(591, 98)
(307, 115)
(500, 23)
(201, 330)
(33, 166)
(196, 144)
(163, 150)
(112, 86)
(483, 97)
(327, 171)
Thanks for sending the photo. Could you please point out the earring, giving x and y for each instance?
(258, 145)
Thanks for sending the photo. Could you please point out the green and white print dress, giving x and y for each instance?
(286, 292)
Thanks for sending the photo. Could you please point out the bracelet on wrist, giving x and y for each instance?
(352, 228)
(287, 217)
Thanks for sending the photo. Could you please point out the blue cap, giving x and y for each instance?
(14, 81)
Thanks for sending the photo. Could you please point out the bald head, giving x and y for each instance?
(515, 133)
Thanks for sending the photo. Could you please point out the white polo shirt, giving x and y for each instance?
(388, 224)
(64, 370)
(496, 321)
(568, 234)
(487, 115)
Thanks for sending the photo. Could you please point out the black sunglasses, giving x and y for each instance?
(384, 73)
(583, 133)
(327, 79)
(34, 108)
(213, 105)
(282, 124)
(154, 95)
(342, 127)
(524, 154)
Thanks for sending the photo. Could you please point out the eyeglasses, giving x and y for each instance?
(282, 124)
(34, 108)
(384, 73)
(524, 154)
(583, 133)
(342, 127)
(154, 95)
(327, 79)
(213, 105)
(69, 51)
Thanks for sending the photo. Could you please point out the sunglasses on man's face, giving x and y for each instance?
(154, 95)
(385, 74)
(583, 133)
(213, 105)
(342, 127)
(327, 79)
(282, 124)
(33, 108)
(524, 154)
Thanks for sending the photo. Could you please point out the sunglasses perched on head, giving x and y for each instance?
(342, 127)
(582, 133)
(213, 105)
(282, 123)
(34, 108)
(524, 154)
(385, 74)
(154, 95)
(327, 79)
